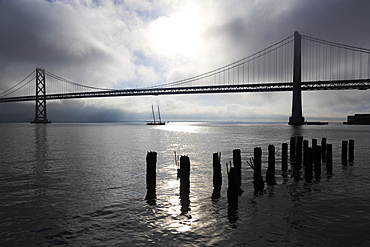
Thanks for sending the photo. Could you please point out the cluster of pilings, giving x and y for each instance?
(183, 173)
(314, 157)
(311, 158)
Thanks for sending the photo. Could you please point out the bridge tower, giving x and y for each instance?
(297, 118)
(40, 107)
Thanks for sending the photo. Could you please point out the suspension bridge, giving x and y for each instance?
(294, 64)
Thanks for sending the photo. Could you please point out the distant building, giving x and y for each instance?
(358, 119)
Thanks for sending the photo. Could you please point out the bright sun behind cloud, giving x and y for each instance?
(178, 34)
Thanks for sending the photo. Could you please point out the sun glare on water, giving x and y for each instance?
(182, 127)
(178, 34)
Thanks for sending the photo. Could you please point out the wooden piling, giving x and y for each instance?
(323, 149)
(284, 157)
(232, 190)
(299, 152)
(217, 175)
(292, 147)
(344, 152)
(237, 160)
(151, 162)
(329, 159)
(184, 183)
(351, 151)
(308, 165)
(314, 143)
(185, 173)
(232, 193)
(305, 146)
(270, 174)
(258, 182)
(317, 161)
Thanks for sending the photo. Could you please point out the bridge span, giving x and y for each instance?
(265, 87)
(297, 63)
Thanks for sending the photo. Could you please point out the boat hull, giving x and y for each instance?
(159, 123)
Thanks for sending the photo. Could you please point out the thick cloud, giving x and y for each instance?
(129, 44)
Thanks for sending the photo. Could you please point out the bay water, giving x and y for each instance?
(84, 184)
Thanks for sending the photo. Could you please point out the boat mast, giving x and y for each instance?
(159, 114)
(153, 113)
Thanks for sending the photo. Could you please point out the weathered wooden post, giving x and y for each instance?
(151, 162)
(217, 175)
(314, 143)
(232, 192)
(351, 151)
(329, 159)
(237, 160)
(308, 165)
(305, 146)
(344, 152)
(184, 183)
(299, 152)
(258, 182)
(270, 174)
(323, 149)
(292, 147)
(284, 158)
(317, 161)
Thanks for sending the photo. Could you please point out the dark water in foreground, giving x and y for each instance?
(84, 185)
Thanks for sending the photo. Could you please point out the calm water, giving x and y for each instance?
(84, 185)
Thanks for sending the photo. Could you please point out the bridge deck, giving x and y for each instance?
(360, 84)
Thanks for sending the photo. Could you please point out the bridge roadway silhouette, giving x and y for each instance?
(359, 84)
(323, 68)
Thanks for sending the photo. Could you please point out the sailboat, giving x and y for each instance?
(156, 122)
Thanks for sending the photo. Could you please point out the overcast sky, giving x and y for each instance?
(136, 43)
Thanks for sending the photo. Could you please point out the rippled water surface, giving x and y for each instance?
(85, 184)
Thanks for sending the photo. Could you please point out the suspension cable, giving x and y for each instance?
(5, 93)
(76, 84)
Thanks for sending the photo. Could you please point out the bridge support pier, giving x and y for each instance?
(297, 118)
(40, 107)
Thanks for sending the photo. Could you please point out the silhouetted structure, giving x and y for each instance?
(284, 157)
(258, 182)
(154, 121)
(329, 158)
(358, 119)
(151, 163)
(317, 161)
(250, 74)
(217, 175)
(232, 193)
(344, 152)
(351, 151)
(270, 174)
(40, 107)
(323, 149)
(297, 118)
(292, 147)
(184, 184)
(238, 168)
(308, 171)
(299, 151)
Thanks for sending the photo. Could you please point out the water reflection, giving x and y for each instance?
(96, 185)
(41, 149)
(182, 127)
(41, 158)
(297, 130)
